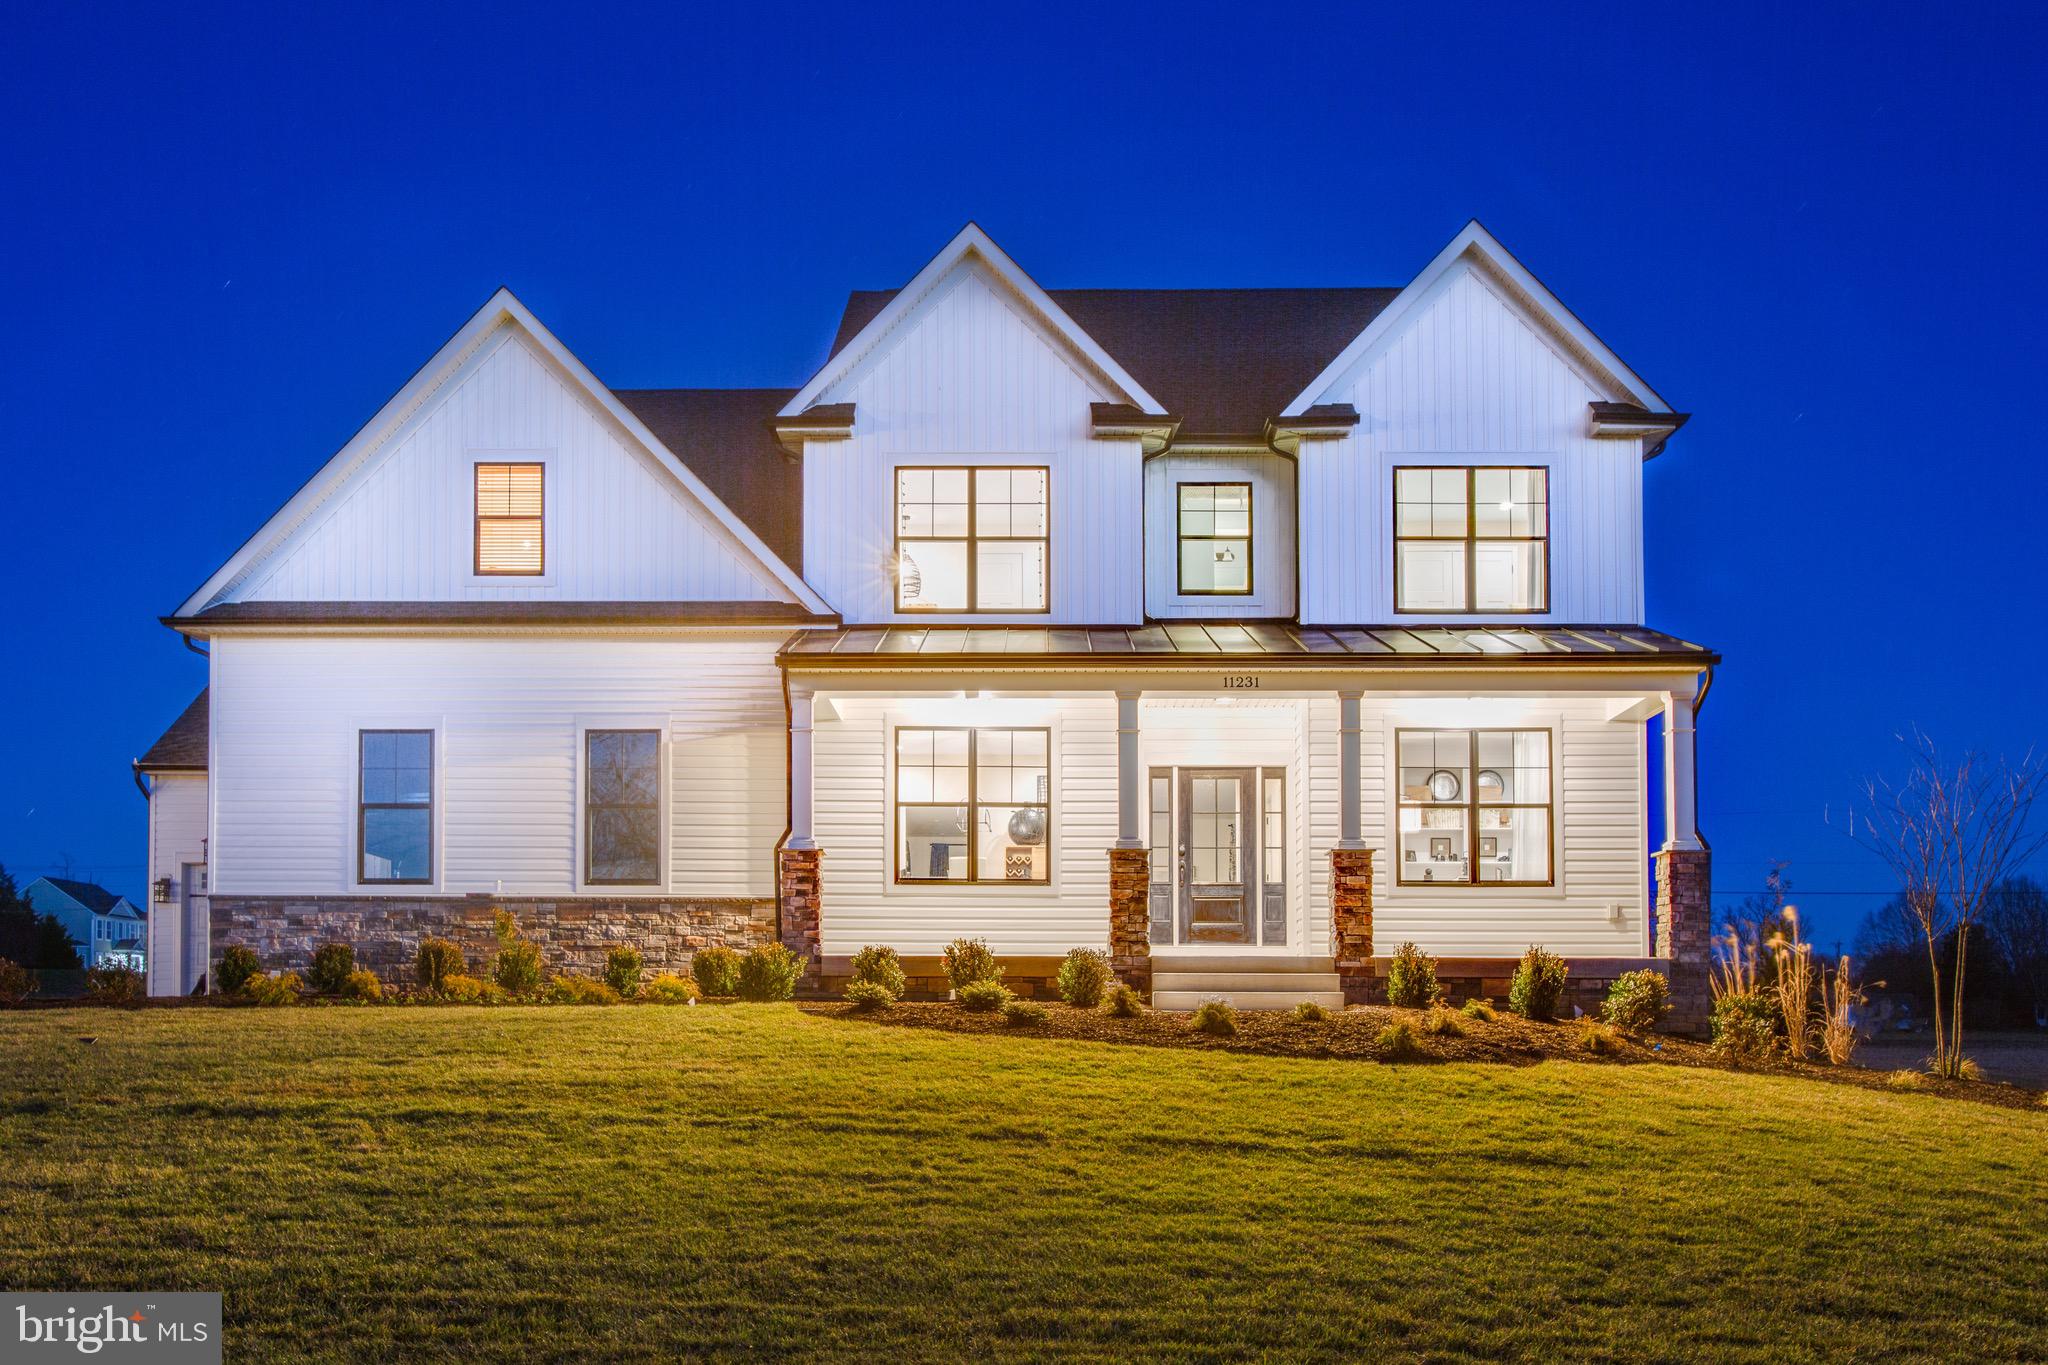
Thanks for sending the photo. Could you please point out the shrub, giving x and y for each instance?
(1636, 1001)
(1602, 1040)
(237, 964)
(436, 961)
(1538, 985)
(879, 966)
(1480, 1009)
(1123, 1003)
(1441, 1022)
(1968, 1070)
(968, 960)
(769, 972)
(1215, 1018)
(868, 996)
(332, 963)
(1023, 1013)
(983, 997)
(1905, 1080)
(1745, 1025)
(1411, 978)
(517, 970)
(1309, 1012)
(580, 990)
(458, 988)
(1084, 976)
(668, 989)
(717, 970)
(115, 985)
(622, 971)
(1398, 1043)
(361, 985)
(263, 989)
(1839, 997)
(17, 983)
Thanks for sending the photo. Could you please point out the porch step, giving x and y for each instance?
(1179, 960)
(1183, 980)
(1249, 981)
(1245, 1000)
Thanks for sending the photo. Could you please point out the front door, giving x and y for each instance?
(1218, 860)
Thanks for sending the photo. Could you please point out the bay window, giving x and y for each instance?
(1475, 807)
(973, 805)
(972, 539)
(1472, 540)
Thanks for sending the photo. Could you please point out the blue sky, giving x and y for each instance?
(228, 235)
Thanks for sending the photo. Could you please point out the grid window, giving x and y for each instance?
(1215, 539)
(973, 805)
(622, 807)
(395, 806)
(972, 539)
(1472, 540)
(509, 537)
(1475, 807)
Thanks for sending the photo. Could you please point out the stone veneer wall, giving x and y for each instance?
(1130, 918)
(1685, 934)
(1351, 921)
(574, 933)
(800, 876)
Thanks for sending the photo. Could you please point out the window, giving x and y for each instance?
(1472, 540)
(395, 811)
(508, 519)
(971, 539)
(622, 807)
(1475, 807)
(973, 805)
(1215, 539)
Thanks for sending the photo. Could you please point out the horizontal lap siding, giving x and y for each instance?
(177, 835)
(286, 713)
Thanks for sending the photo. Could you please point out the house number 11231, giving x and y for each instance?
(1237, 682)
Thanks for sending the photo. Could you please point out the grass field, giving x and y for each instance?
(660, 1183)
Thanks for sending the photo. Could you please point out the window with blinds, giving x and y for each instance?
(508, 519)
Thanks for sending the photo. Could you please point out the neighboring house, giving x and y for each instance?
(1241, 633)
(106, 929)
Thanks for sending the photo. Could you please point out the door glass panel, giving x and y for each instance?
(1213, 846)
(1162, 830)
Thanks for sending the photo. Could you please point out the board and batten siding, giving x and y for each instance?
(1471, 379)
(1272, 482)
(177, 836)
(506, 714)
(617, 526)
(967, 379)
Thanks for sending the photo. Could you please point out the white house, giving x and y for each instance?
(105, 928)
(1242, 633)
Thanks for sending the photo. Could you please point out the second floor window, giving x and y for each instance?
(622, 807)
(1215, 533)
(971, 539)
(1472, 540)
(509, 531)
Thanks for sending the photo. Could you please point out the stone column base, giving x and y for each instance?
(800, 905)
(1130, 918)
(1685, 934)
(1351, 920)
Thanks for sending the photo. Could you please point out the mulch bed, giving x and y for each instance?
(1353, 1035)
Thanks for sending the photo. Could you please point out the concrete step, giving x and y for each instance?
(1245, 1000)
(1184, 980)
(1177, 960)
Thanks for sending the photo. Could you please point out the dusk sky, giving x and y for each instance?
(229, 236)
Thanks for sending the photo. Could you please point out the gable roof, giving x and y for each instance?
(376, 434)
(724, 435)
(91, 895)
(183, 746)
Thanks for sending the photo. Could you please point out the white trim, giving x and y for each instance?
(663, 724)
(351, 870)
(1424, 894)
(971, 243)
(550, 561)
(1483, 247)
(984, 891)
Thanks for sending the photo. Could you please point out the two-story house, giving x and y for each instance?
(107, 929)
(1244, 633)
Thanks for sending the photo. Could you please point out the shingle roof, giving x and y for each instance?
(184, 744)
(91, 895)
(1222, 360)
(724, 437)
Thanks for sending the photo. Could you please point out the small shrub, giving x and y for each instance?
(1411, 979)
(332, 963)
(580, 990)
(717, 971)
(868, 996)
(264, 989)
(1538, 985)
(361, 985)
(668, 989)
(983, 997)
(879, 966)
(517, 970)
(1480, 1009)
(462, 989)
(968, 960)
(1084, 976)
(1745, 1025)
(1636, 1001)
(1969, 1070)
(1123, 1003)
(1215, 1018)
(1839, 997)
(1602, 1040)
(237, 964)
(114, 985)
(769, 971)
(1441, 1022)
(1905, 1080)
(17, 983)
(436, 961)
(622, 971)
(1023, 1013)
(1309, 1012)
(1398, 1042)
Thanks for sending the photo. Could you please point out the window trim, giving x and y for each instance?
(897, 806)
(1471, 539)
(429, 805)
(972, 541)
(1470, 804)
(478, 516)
(1181, 538)
(589, 807)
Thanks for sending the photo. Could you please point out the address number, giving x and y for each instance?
(1236, 682)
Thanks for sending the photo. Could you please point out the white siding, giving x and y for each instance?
(618, 527)
(1470, 379)
(177, 836)
(966, 378)
(1272, 479)
(505, 711)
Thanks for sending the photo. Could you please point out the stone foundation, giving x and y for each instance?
(800, 879)
(1130, 918)
(1351, 921)
(1685, 935)
(574, 933)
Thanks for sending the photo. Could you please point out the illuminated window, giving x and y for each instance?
(973, 805)
(971, 539)
(1475, 807)
(508, 519)
(1472, 540)
(1215, 527)
(395, 806)
(622, 807)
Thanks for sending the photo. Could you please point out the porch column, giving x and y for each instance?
(1684, 915)
(1127, 824)
(801, 834)
(1680, 819)
(1350, 771)
(1130, 876)
(799, 878)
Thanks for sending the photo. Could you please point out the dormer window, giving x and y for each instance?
(971, 539)
(510, 531)
(1472, 540)
(1215, 529)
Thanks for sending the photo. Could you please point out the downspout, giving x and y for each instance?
(788, 797)
(141, 783)
(1697, 703)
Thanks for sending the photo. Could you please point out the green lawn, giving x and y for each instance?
(657, 1183)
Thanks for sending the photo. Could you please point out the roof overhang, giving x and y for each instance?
(1122, 421)
(1629, 421)
(440, 618)
(818, 422)
(1322, 422)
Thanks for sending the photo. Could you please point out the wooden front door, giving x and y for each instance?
(1218, 857)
